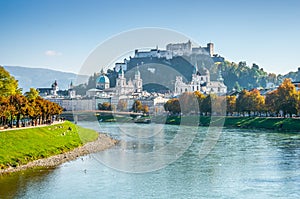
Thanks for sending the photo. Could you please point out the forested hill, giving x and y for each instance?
(295, 76)
(241, 75)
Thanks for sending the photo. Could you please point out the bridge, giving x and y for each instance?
(100, 112)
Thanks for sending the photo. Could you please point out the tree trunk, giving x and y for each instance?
(18, 120)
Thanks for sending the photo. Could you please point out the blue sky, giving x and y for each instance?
(60, 34)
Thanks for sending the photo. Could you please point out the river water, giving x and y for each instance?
(240, 164)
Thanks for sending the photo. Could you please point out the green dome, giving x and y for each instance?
(103, 79)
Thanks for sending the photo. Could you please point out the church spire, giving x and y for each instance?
(102, 71)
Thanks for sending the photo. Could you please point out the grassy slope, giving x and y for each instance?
(281, 124)
(24, 145)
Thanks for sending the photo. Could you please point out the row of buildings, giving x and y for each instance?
(130, 89)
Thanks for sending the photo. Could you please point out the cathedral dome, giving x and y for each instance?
(103, 79)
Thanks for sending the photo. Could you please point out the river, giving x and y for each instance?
(148, 163)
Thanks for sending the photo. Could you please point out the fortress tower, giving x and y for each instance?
(210, 49)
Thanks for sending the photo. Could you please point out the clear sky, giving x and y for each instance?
(60, 34)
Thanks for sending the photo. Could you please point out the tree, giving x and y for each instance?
(4, 110)
(200, 97)
(14, 106)
(287, 99)
(55, 110)
(206, 106)
(32, 94)
(243, 103)
(137, 106)
(172, 106)
(18, 106)
(105, 106)
(256, 101)
(271, 102)
(145, 109)
(231, 104)
(8, 84)
(189, 102)
(122, 105)
(237, 86)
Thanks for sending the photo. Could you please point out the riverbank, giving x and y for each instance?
(270, 123)
(48, 146)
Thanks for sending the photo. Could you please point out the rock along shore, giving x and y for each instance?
(103, 142)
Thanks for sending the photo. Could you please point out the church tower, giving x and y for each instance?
(120, 82)
(121, 78)
(71, 91)
(137, 82)
(55, 88)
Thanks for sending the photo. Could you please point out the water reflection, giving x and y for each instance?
(17, 183)
(243, 164)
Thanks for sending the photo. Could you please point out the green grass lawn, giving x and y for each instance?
(24, 145)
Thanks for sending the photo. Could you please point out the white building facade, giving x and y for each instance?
(202, 83)
(124, 87)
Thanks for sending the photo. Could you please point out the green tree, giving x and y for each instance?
(32, 94)
(8, 84)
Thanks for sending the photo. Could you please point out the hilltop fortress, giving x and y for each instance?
(180, 49)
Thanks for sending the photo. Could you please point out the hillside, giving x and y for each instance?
(40, 77)
(159, 74)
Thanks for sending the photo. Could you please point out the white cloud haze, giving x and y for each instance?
(52, 53)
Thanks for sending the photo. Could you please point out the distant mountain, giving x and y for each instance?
(40, 77)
